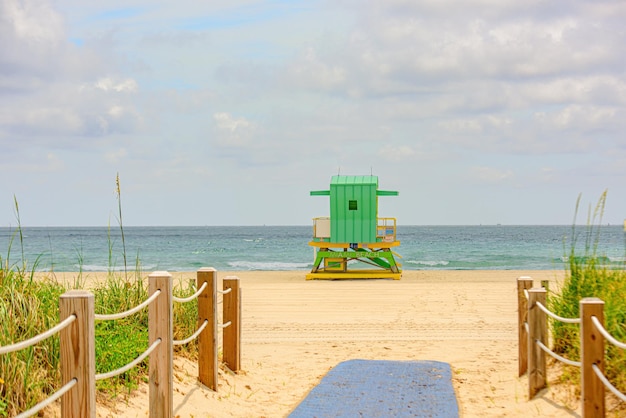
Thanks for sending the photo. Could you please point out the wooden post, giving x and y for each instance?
(207, 340)
(78, 354)
(232, 314)
(537, 331)
(546, 285)
(523, 283)
(161, 359)
(591, 352)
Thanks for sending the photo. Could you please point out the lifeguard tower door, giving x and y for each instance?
(353, 210)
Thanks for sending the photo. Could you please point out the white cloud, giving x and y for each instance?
(226, 122)
(582, 118)
(491, 175)
(315, 73)
(396, 153)
(462, 126)
(120, 119)
(119, 86)
(68, 111)
(50, 120)
(391, 53)
(236, 137)
(32, 21)
(608, 89)
(39, 165)
(48, 93)
(115, 156)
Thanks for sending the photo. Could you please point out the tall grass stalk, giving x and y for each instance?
(51, 254)
(5, 264)
(118, 191)
(111, 263)
(19, 230)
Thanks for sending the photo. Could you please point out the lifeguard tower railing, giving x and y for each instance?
(385, 229)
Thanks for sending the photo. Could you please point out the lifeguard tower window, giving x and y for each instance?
(352, 205)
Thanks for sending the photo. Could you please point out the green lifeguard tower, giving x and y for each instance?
(354, 243)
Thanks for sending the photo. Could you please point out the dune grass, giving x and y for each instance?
(28, 376)
(588, 276)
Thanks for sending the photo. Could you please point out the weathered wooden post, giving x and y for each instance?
(232, 314)
(207, 340)
(523, 283)
(160, 327)
(78, 354)
(537, 331)
(591, 352)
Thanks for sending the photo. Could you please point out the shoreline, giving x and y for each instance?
(67, 277)
(294, 331)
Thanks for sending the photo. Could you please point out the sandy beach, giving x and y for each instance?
(294, 331)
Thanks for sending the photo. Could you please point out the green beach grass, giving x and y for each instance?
(29, 376)
(588, 276)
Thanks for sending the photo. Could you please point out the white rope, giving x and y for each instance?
(195, 334)
(527, 327)
(558, 318)
(606, 334)
(556, 356)
(526, 294)
(120, 315)
(225, 325)
(41, 405)
(608, 384)
(224, 292)
(32, 341)
(131, 364)
(192, 297)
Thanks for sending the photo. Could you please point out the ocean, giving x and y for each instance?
(237, 248)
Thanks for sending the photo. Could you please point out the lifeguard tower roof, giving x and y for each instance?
(336, 181)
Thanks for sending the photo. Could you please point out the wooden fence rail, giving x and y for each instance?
(77, 343)
(533, 345)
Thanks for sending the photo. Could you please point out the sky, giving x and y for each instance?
(230, 113)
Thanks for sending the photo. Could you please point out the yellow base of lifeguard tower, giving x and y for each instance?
(354, 243)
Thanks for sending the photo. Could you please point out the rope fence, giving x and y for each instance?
(192, 297)
(533, 346)
(37, 338)
(128, 366)
(193, 336)
(49, 400)
(33, 341)
(77, 342)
